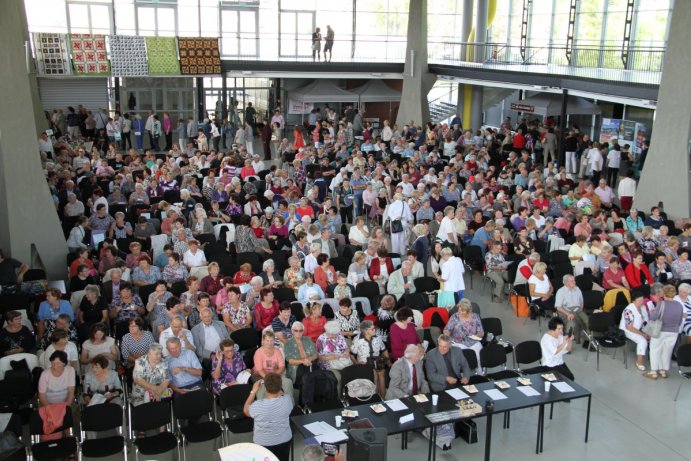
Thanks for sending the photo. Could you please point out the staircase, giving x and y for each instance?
(441, 110)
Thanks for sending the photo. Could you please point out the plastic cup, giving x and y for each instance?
(547, 386)
(338, 421)
(435, 400)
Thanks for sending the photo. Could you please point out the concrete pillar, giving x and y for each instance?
(666, 176)
(27, 213)
(481, 16)
(417, 80)
(466, 26)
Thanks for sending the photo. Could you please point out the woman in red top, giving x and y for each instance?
(247, 170)
(381, 267)
(314, 322)
(305, 209)
(402, 333)
(541, 202)
(265, 310)
(324, 274)
(213, 282)
(299, 140)
(638, 276)
(244, 275)
(256, 227)
(83, 258)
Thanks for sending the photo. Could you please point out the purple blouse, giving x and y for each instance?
(229, 372)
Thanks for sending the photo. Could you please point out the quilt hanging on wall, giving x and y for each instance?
(89, 54)
(128, 56)
(199, 56)
(162, 53)
(52, 54)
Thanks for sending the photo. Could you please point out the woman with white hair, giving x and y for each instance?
(269, 276)
(332, 349)
(311, 259)
(299, 350)
(200, 224)
(399, 210)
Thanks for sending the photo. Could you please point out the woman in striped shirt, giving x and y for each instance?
(271, 416)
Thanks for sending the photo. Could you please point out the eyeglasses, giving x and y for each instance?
(298, 331)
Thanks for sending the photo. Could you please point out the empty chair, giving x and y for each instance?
(214, 248)
(426, 284)
(149, 417)
(231, 401)
(177, 289)
(103, 417)
(52, 449)
(284, 294)
(471, 358)
(191, 407)
(245, 338)
(599, 324)
(528, 352)
(206, 239)
(368, 290)
(493, 355)
(683, 361)
(474, 262)
(592, 300)
(492, 325)
(559, 256)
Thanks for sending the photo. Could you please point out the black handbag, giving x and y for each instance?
(379, 362)
(467, 430)
(397, 224)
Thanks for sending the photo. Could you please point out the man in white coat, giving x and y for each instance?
(399, 209)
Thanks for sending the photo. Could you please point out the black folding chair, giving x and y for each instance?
(471, 358)
(474, 262)
(683, 361)
(191, 407)
(528, 352)
(245, 338)
(493, 355)
(149, 417)
(426, 284)
(52, 449)
(492, 325)
(232, 401)
(284, 294)
(352, 373)
(251, 258)
(103, 417)
(600, 324)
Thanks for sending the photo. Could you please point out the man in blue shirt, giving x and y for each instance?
(184, 368)
(483, 236)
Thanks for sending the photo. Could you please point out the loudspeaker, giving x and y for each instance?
(367, 444)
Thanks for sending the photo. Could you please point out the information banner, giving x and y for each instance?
(297, 107)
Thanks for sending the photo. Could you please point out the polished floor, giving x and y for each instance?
(632, 418)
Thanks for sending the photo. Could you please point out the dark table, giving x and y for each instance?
(389, 419)
(515, 400)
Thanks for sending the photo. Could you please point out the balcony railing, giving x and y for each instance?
(639, 66)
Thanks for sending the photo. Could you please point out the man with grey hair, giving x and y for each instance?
(446, 365)
(525, 268)
(208, 334)
(401, 281)
(184, 368)
(407, 376)
(569, 304)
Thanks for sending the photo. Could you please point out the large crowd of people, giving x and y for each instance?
(204, 264)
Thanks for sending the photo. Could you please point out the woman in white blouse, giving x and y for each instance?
(554, 346)
(541, 290)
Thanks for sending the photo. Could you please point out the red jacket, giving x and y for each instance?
(375, 269)
(633, 276)
(321, 277)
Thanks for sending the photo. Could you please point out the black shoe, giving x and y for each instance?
(586, 344)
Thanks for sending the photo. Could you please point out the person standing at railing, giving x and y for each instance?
(329, 43)
(317, 45)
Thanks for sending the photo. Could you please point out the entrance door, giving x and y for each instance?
(296, 33)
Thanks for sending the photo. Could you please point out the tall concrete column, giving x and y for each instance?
(481, 16)
(27, 213)
(665, 176)
(417, 80)
(466, 28)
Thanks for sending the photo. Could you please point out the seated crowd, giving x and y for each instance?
(195, 268)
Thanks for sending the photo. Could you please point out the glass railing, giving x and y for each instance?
(640, 66)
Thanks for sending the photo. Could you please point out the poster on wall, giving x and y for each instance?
(609, 131)
(298, 107)
(641, 135)
(627, 132)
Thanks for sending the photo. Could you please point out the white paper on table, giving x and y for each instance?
(395, 405)
(495, 394)
(528, 391)
(333, 437)
(320, 427)
(457, 394)
(563, 387)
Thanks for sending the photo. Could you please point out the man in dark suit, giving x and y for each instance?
(111, 288)
(446, 366)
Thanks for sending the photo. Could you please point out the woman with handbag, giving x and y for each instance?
(300, 353)
(369, 349)
(663, 328)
